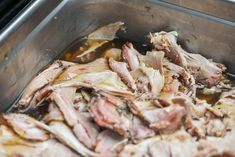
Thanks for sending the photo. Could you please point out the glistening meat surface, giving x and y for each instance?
(117, 99)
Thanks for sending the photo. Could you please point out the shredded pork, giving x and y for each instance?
(128, 104)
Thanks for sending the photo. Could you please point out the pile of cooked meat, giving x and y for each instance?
(125, 104)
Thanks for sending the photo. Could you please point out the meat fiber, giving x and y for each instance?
(121, 69)
(166, 119)
(54, 114)
(156, 80)
(107, 114)
(109, 143)
(153, 59)
(130, 55)
(204, 71)
(106, 81)
(140, 130)
(64, 134)
(26, 127)
(165, 102)
(97, 65)
(83, 129)
(41, 80)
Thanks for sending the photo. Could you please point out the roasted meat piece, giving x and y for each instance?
(41, 80)
(176, 145)
(156, 80)
(107, 114)
(109, 143)
(85, 131)
(121, 69)
(12, 145)
(140, 130)
(54, 114)
(186, 77)
(130, 55)
(204, 71)
(125, 103)
(106, 81)
(166, 119)
(153, 59)
(26, 127)
(97, 65)
(64, 134)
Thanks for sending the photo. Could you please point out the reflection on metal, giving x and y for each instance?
(220, 8)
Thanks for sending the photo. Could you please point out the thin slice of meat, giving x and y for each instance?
(106, 81)
(227, 98)
(183, 149)
(53, 148)
(12, 145)
(107, 32)
(174, 145)
(140, 130)
(90, 128)
(64, 134)
(217, 146)
(26, 127)
(79, 103)
(65, 105)
(187, 78)
(156, 80)
(166, 119)
(130, 55)
(195, 110)
(148, 80)
(139, 107)
(83, 129)
(107, 114)
(54, 114)
(109, 143)
(167, 42)
(160, 148)
(181, 144)
(121, 69)
(226, 104)
(216, 127)
(171, 86)
(138, 150)
(196, 127)
(204, 71)
(97, 65)
(141, 81)
(197, 121)
(153, 59)
(41, 80)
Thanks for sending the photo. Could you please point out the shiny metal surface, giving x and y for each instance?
(35, 44)
(220, 8)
